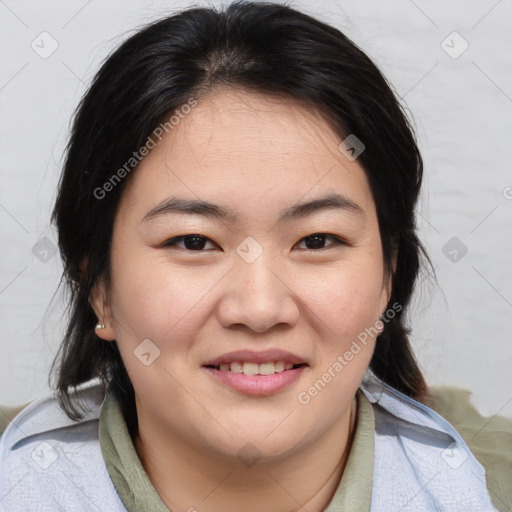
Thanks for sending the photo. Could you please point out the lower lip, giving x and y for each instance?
(259, 385)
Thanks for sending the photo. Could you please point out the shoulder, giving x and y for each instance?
(423, 455)
(51, 462)
(45, 414)
(490, 439)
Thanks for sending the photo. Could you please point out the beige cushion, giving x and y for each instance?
(490, 440)
(7, 414)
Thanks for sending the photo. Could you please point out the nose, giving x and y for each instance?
(258, 297)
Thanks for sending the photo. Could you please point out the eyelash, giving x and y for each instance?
(173, 241)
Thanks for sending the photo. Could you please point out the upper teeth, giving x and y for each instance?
(255, 368)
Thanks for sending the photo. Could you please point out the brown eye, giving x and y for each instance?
(317, 241)
(190, 242)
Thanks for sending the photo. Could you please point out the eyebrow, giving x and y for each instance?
(206, 209)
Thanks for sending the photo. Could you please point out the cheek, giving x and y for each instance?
(152, 299)
(348, 300)
(146, 294)
(152, 302)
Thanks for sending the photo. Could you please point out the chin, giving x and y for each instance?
(254, 447)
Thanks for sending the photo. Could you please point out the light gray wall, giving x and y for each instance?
(462, 109)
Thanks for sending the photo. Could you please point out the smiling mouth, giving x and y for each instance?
(251, 368)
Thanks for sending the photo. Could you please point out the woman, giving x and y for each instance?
(236, 221)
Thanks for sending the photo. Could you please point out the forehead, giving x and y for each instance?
(232, 125)
(248, 149)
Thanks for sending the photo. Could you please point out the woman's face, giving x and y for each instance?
(260, 284)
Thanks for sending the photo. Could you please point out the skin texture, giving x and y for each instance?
(255, 155)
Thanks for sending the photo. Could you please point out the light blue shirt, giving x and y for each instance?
(48, 462)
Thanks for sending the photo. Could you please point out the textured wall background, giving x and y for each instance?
(448, 61)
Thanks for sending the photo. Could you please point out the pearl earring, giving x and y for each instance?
(100, 326)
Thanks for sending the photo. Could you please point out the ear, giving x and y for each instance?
(394, 260)
(99, 301)
(388, 283)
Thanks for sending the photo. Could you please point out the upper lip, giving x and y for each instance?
(252, 356)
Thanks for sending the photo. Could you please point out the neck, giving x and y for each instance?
(189, 479)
